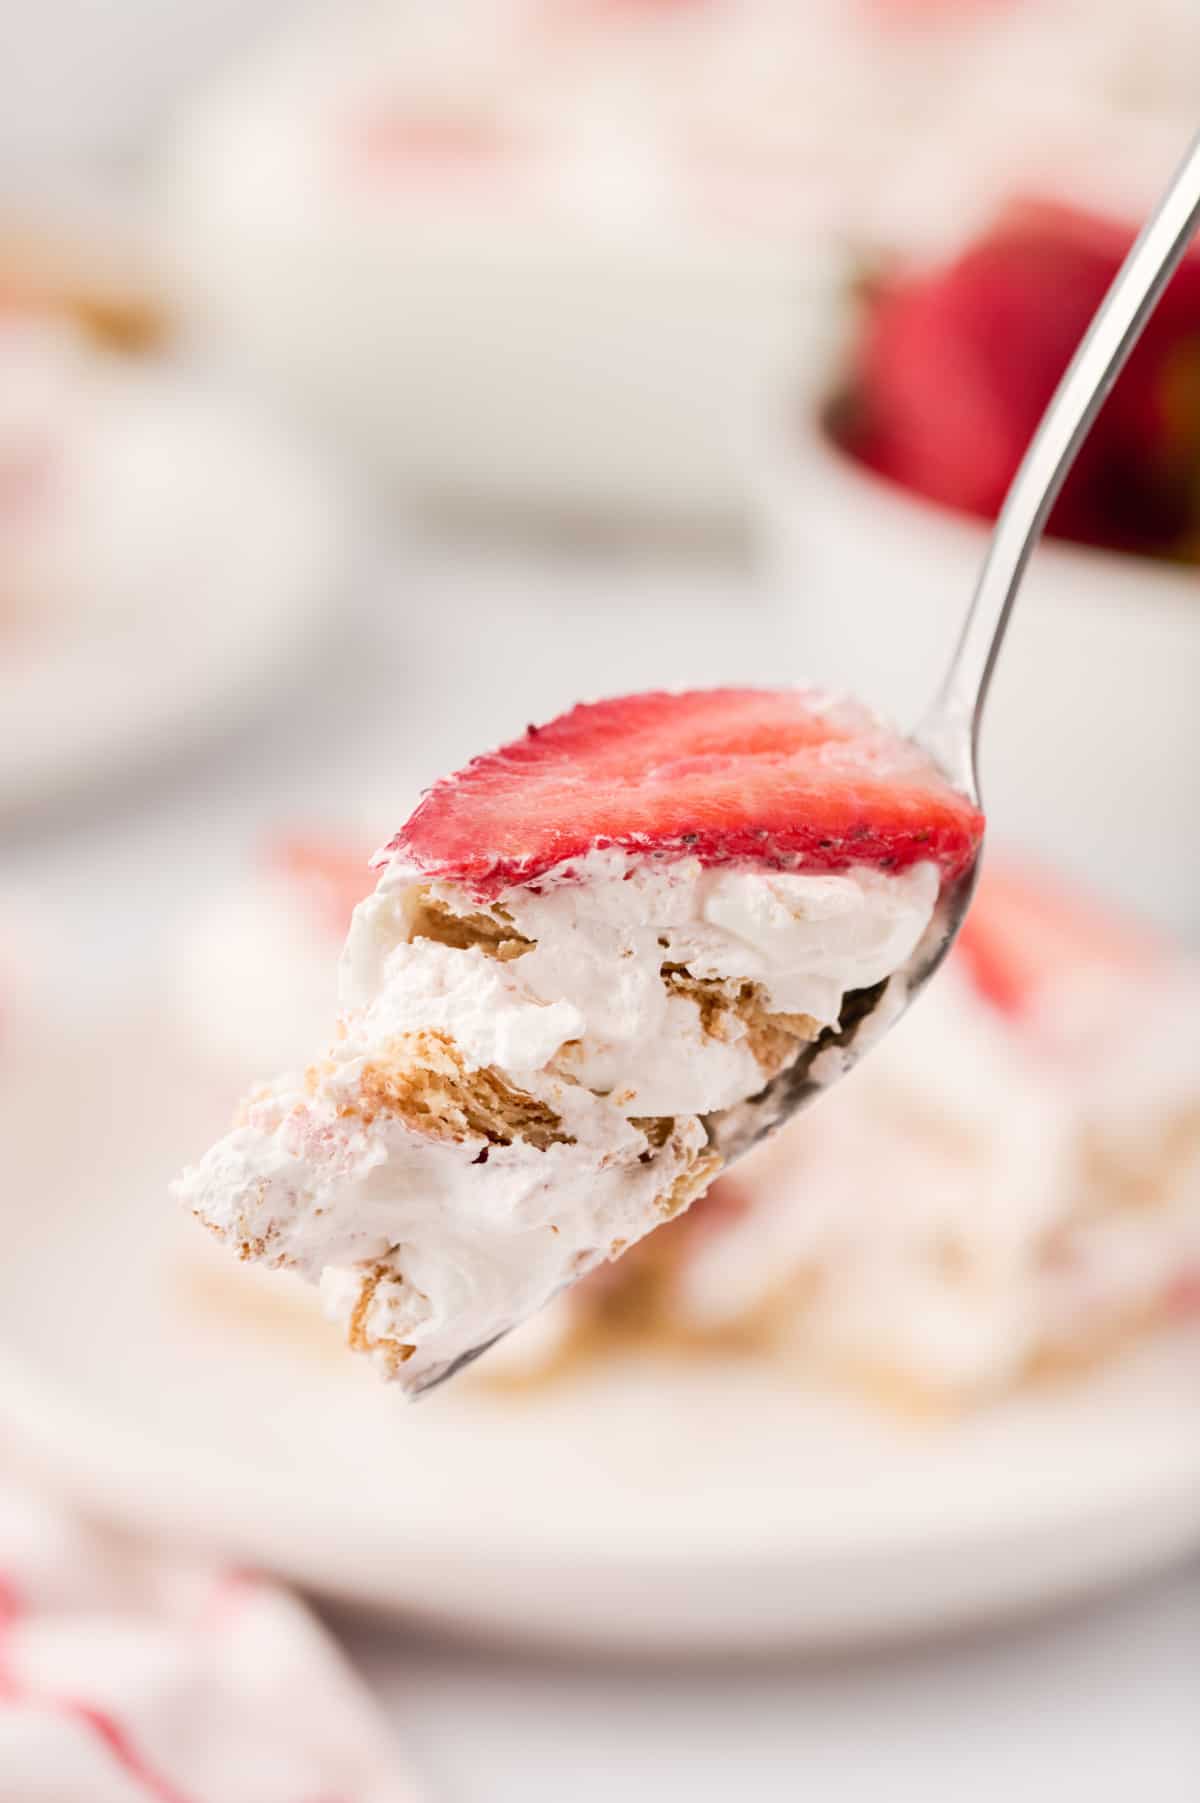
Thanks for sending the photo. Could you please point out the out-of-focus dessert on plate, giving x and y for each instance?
(165, 549)
(1009, 1189)
(591, 955)
(1007, 1193)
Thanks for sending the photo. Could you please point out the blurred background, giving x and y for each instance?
(374, 379)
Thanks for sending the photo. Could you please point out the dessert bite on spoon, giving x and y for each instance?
(603, 961)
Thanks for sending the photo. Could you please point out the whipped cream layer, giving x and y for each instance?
(517, 1089)
(588, 993)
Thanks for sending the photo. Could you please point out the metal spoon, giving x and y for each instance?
(950, 730)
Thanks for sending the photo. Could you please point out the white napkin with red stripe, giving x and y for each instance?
(129, 1677)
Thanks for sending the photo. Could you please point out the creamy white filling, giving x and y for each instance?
(453, 1250)
(428, 1246)
(591, 991)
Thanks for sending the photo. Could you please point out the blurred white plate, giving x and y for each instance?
(220, 565)
(657, 1510)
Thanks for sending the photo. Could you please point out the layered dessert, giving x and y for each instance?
(588, 955)
(826, 1256)
(1008, 1191)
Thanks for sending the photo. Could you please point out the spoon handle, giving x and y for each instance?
(950, 729)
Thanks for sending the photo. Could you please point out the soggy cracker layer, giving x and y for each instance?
(396, 1352)
(421, 1079)
(730, 1010)
(492, 933)
(689, 1184)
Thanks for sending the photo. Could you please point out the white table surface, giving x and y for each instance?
(1100, 1706)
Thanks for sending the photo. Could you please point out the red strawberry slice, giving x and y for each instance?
(780, 778)
(1026, 930)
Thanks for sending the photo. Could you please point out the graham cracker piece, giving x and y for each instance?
(774, 1039)
(492, 933)
(689, 1184)
(422, 1079)
(396, 1352)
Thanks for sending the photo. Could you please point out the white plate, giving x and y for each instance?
(644, 1508)
(233, 542)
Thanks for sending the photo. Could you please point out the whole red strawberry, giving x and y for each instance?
(955, 365)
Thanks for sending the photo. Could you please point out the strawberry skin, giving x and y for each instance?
(776, 778)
